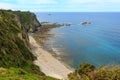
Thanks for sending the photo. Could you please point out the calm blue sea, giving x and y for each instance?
(97, 43)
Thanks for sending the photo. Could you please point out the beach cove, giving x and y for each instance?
(47, 63)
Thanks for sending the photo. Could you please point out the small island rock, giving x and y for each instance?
(84, 23)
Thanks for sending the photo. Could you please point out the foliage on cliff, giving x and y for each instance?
(13, 52)
(14, 45)
(16, 60)
(28, 20)
(88, 72)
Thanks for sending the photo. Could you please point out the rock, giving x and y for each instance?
(67, 24)
(85, 23)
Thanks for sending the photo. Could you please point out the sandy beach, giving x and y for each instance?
(47, 63)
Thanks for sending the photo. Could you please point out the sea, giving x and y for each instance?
(97, 43)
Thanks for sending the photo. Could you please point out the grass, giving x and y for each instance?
(20, 74)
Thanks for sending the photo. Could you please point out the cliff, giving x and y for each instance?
(27, 22)
(16, 59)
(14, 44)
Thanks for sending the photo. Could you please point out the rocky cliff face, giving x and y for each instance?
(14, 44)
(27, 22)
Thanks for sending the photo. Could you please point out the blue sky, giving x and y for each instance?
(62, 5)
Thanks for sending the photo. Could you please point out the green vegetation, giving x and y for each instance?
(13, 52)
(14, 46)
(88, 72)
(28, 20)
(20, 74)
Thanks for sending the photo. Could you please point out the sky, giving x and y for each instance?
(62, 5)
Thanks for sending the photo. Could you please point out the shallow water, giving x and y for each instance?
(97, 43)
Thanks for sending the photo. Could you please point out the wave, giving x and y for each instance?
(56, 51)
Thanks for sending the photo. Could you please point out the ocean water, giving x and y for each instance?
(97, 43)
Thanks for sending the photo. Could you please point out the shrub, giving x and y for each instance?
(88, 72)
(85, 68)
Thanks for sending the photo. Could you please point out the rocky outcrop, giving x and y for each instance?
(85, 23)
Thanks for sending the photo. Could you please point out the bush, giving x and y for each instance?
(85, 68)
(88, 72)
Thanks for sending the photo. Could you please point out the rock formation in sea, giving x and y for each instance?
(85, 23)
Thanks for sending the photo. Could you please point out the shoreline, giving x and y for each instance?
(47, 63)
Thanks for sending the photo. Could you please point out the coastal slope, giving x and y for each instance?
(16, 58)
(47, 63)
(14, 41)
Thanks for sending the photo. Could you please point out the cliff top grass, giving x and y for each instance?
(20, 74)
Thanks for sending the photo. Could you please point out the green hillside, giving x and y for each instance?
(14, 45)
